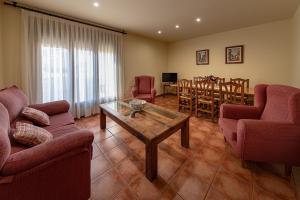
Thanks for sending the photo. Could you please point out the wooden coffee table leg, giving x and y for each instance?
(102, 119)
(185, 134)
(151, 161)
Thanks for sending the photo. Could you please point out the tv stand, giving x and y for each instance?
(166, 85)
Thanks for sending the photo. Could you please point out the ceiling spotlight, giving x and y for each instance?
(159, 32)
(177, 26)
(96, 4)
(198, 19)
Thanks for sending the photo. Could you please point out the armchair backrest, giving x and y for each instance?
(5, 146)
(282, 104)
(144, 84)
(14, 100)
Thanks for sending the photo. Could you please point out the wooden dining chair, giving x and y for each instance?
(205, 98)
(219, 80)
(244, 82)
(185, 95)
(231, 93)
(199, 78)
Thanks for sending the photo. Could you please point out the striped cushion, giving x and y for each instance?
(36, 116)
(31, 135)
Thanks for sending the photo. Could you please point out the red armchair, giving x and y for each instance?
(144, 88)
(270, 130)
(59, 169)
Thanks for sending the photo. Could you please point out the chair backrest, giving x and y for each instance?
(244, 82)
(205, 90)
(144, 84)
(231, 93)
(282, 104)
(5, 146)
(14, 100)
(199, 78)
(184, 87)
(218, 80)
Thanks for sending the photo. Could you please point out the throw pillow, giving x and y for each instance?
(37, 116)
(31, 135)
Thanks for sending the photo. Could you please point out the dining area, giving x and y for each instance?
(204, 95)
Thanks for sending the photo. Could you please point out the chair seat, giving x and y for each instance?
(229, 128)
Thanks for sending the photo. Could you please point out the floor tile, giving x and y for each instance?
(107, 186)
(117, 154)
(99, 165)
(108, 144)
(232, 186)
(189, 186)
(274, 184)
(143, 188)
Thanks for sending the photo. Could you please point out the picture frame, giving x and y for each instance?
(234, 54)
(202, 57)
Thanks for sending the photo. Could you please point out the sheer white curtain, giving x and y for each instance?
(68, 60)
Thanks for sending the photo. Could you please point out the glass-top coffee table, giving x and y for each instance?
(152, 125)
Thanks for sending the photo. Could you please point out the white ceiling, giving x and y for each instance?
(146, 17)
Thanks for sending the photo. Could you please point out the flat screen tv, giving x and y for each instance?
(169, 77)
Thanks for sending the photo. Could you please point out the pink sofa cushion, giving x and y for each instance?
(5, 147)
(229, 128)
(14, 100)
(277, 106)
(144, 85)
(37, 116)
(31, 135)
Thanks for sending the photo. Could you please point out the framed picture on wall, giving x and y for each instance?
(234, 54)
(202, 57)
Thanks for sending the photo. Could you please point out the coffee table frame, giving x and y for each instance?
(150, 145)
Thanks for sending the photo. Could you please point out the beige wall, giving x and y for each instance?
(11, 46)
(296, 49)
(143, 56)
(267, 54)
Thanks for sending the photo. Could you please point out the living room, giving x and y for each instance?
(68, 72)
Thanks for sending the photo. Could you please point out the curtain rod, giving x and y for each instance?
(25, 7)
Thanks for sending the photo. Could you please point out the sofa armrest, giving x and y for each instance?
(134, 91)
(231, 111)
(268, 140)
(153, 92)
(29, 158)
(52, 108)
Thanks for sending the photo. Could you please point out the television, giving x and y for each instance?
(169, 77)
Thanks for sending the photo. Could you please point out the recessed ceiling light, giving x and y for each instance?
(198, 19)
(177, 26)
(96, 4)
(159, 32)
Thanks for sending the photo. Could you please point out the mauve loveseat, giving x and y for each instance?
(267, 132)
(59, 169)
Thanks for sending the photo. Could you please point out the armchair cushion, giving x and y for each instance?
(29, 158)
(31, 135)
(144, 85)
(229, 128)
(37, 116)
(231, 111)
(53, 108)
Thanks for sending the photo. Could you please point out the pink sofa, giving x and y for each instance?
(270, 130)
(144, 88)
(59, 169)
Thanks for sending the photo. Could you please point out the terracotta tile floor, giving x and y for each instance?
(208, 170)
